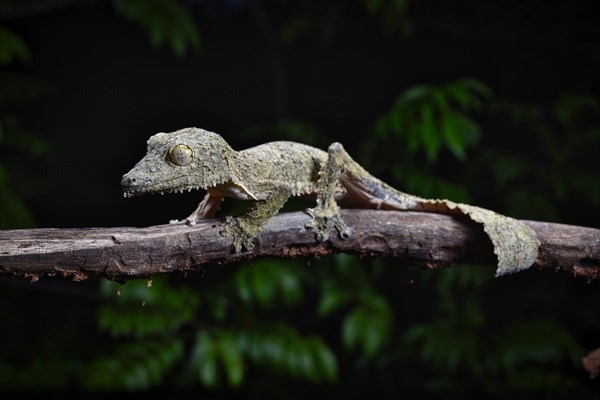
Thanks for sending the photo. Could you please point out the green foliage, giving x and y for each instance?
(428, 117)
(166, 21)
(14, 213)
(139, 309)
(368, 325)
(566, 133)
(392, 14)
(151, 312)
(12, 48)
(269, 284)
(220, 355)
(134, 366)
(526, 356)
(293, 28)
(261, 317)
(533, 342)
(15, 89)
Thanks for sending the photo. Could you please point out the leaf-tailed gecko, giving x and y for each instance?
(269, 174)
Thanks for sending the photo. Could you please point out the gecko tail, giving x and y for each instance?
(515, 244)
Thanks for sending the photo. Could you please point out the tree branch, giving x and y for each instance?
(428, 240)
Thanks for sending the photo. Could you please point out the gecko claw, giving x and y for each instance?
(322, 222)
(242, 236)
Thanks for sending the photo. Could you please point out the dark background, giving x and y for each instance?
(93, 89)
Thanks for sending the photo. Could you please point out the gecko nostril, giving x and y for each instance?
(128, 181)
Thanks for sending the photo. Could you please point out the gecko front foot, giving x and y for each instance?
(243, 234)
(323, 221)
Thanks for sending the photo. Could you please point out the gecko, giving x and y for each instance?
(271, 173)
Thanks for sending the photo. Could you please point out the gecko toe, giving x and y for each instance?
(242, 238)
(322, 222)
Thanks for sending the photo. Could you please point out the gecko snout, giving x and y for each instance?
(128, 181)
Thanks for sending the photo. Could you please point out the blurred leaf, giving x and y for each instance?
(276, 347)
(325, 360)
(204, 358)
(293, 28)
(12, 47)
(332, 300)
(268, 282)
(368, 327)
(13, 211)
(233, 362)
(282, 350)
(139, 365)
(15, 137)
(392, 14)
(141, 311)
(443, 344)
(429, 136)
(426, 117)
(415, 94)
(570, 109)
(166, 21)
(536, 341)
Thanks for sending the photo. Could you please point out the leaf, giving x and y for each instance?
(14, 213)
(332, 300)
(204, 358)
(232, 360)
(476, 86)
(427, 117)
(133, 366)
(452, 136)
(325, 360)
(368, 329)
(264, 283)
(268, 281)
(373, 6)
(137, 310)
(429, 134)
(413, 94)
(12, 47)
(292, 29)
(281, 349)
(381, 129)
(166, 21)
(523, 343)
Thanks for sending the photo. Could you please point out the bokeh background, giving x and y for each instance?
(494, 103)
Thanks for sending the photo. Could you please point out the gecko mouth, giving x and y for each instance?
(133, 187)
(151, 189)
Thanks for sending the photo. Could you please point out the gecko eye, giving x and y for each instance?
(181, 155)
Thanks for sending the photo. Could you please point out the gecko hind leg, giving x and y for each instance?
(326, 215)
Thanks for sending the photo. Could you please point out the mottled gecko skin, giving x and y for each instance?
(269, 174)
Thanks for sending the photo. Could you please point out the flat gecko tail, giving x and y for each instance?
(515, 244)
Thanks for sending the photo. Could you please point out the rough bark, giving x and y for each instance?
(428, 240)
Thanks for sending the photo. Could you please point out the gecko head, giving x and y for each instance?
(186, 159)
